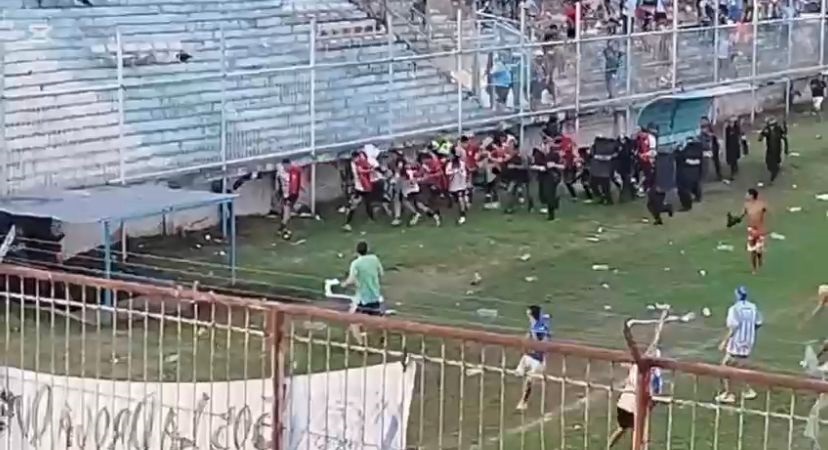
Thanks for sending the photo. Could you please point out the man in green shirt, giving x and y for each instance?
(365, 274)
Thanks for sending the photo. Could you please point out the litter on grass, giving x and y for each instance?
(795, 209)
(777, 236)
(706, 312)
(724, 247)
(600, 267)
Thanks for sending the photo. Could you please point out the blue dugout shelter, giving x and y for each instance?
(111, 206)
(677, 115)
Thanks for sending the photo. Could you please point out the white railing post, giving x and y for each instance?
(628, 70)
(459, 69)
(518, 93)
(223, 110)
(119, 56)
(754, 57)
(4, 151)
(716, 44)
(312, 63)
(674, 51)
(225, 208)
(389, 30)
(822, 34)
(789, 24)
(577, 67)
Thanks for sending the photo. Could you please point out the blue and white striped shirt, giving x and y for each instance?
(743, 319)
(541, 331)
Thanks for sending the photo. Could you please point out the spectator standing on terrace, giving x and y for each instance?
(628, 8)
(743, 321)
(612, 62)
(500, 78)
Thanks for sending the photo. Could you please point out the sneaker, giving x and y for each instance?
(521, 406)
(414, 219)
(461, 220)
(346, 227)
(437, 220)
(726, 398)
(544, 210)
(395, 223)
(749, 394)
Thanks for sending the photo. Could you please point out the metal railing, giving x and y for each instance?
(223, 112)
(182, 368)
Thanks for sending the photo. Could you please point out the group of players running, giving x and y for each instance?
(445, 174)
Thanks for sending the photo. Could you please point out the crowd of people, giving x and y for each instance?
(447, 177)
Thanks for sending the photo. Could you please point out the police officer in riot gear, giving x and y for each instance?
(604, 151)
(776, 141)
(735, 145)
(710, 146)
(689, 173)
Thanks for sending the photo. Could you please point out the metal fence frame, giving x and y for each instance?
(520, 114)
(275, 332)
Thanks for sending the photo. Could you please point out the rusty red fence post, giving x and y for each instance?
(276, 331)
(642, 405)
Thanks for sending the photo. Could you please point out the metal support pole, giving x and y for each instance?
(119, 71)
(628, 69)
(522, 74)
(458, 69)
(232, 208)
(312, 59)
(716, 44)
(789, 24)
(4, 155)
(577, 67)
(107, 248)
(754, 56)
(822, 34)
(674, 52)
(642, 395)
(476, 60)
(119, 55)
(389, 24)
(223, 127)
(276, 332)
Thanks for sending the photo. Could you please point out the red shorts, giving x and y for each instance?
(755, 242)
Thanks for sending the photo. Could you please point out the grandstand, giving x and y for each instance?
(130, 90)
(61, 85)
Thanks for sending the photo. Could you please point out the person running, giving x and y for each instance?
(625, 408)
(458, 185)
(365, 274)
(533, 363)
(289, 178)
(755, 210)
(776, 142)
(743, 322)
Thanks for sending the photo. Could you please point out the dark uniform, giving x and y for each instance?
(656, 205)
(601, 167)
(735, 144)
(689, 173)
(710, 147)
(776, 141)
(624, 163)
(516, 176)
(548, 166)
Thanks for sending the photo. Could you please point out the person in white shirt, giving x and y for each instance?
(743, 321)
(625, 408)
(458, 184)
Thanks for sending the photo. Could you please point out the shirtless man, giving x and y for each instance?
(755, 210)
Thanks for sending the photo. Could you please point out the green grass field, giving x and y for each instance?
(429, 274)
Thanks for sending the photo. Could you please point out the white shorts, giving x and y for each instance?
(529, 366)
(817, 101)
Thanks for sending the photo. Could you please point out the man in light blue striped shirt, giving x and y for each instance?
(743, 322)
